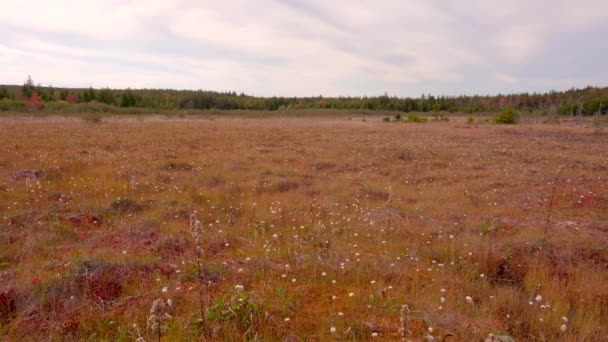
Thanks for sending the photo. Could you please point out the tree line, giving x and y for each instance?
(586, 101)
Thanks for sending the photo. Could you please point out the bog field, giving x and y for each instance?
(302, 229)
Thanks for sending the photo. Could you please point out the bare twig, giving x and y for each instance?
(551, 203)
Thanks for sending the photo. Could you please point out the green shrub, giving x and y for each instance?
(397, 117)
(7, 105)
(507, 115)
(416, 118)
(386, 119)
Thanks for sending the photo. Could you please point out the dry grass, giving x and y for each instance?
(297, 212)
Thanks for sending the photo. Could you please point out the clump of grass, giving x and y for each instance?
(322, 166)
(174, 165)
(284, 185)
(94, 118)
(126, 205)
(440, 117)
(405, 320)
(376, 194)
(240, 310)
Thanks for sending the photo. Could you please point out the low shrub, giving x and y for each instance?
(416, 118)
(7, 105)
(507, 115)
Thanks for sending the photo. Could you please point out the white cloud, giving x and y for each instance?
(505, 78)
(518, 44)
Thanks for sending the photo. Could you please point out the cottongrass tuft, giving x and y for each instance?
(159, 317)
(196, 229)
(564, 327)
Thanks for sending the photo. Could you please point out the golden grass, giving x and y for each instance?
(297, 211)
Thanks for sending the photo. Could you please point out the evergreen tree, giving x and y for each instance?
(128, 99)
(51, 94)
(106, 96)
(89, 95)
(63, 95)
(28, 87)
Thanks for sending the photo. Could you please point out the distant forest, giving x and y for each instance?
(30, 97)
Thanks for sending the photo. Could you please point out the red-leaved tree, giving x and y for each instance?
(35, 101)
(72, 99)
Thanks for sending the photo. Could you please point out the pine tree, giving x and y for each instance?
(92, 94)
(128, 99)
(51, 94)
(28, 87)
(106, 96)
(89, 95)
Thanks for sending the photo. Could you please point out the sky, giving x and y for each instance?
(307, 48)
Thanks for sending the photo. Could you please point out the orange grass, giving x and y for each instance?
(297, 211)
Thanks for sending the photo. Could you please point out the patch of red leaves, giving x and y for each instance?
(103, 283)
(81, 220)
(8, 304)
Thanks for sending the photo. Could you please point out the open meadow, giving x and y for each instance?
(301, 229)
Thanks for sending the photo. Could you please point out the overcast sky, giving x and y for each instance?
(314, 47)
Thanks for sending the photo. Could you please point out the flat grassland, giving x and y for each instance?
(313, 229)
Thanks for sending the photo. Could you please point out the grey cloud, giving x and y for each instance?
(292, 47)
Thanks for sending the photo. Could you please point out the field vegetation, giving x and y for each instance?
(316, 228)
